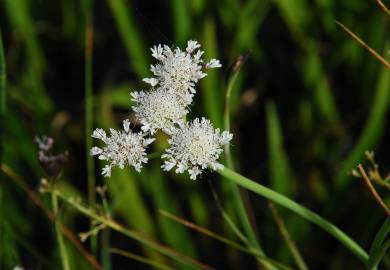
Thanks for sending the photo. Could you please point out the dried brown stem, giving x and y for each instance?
(383, 7)
(361, 42)
(51, 216)
(372, 189)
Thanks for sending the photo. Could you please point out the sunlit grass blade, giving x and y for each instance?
(222, 239)
(377, 249)
(372, 130)
(138, 258)
(298, 209)
(131, 37)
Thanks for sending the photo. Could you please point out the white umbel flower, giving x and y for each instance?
(158, 109)
(194, 147)
(178, 71)
(122, 148)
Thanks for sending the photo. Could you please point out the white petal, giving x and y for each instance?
(126, 125)
(152, 81)
(96, 151)
(99, 134)
(213, 63)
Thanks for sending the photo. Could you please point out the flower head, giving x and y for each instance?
(51, 164)
(122, 148)
(178, 71)
(158, 109)
(194, 147)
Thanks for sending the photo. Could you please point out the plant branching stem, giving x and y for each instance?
(190, 262)
(372, 190)
(50, 215)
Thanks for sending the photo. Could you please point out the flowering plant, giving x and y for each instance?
(194, 146)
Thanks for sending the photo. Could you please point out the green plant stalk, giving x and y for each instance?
(60, 239)
(89, 113)
(237, 199)
(376, 250)
(192, 264)
(372, 130)
(298, 209)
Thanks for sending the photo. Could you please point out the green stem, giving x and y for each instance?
(237, 196)
(298, 209)
(377, 250)
(191, 263)
(60, 239)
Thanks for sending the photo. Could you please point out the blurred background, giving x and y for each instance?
(307, 103)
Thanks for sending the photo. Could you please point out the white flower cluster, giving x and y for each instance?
(178, 71)
(194, 146)
(122, 147)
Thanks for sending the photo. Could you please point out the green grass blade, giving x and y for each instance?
(278, 160)
(23, 24)
(88, 107)
(377, 249)
(173, 234)
(298, 209)
(131, 37)
(181, 21)
(237, 201)
(60, 238)
(211, 90)
(372, 130)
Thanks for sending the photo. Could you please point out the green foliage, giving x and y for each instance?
(330, 102)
